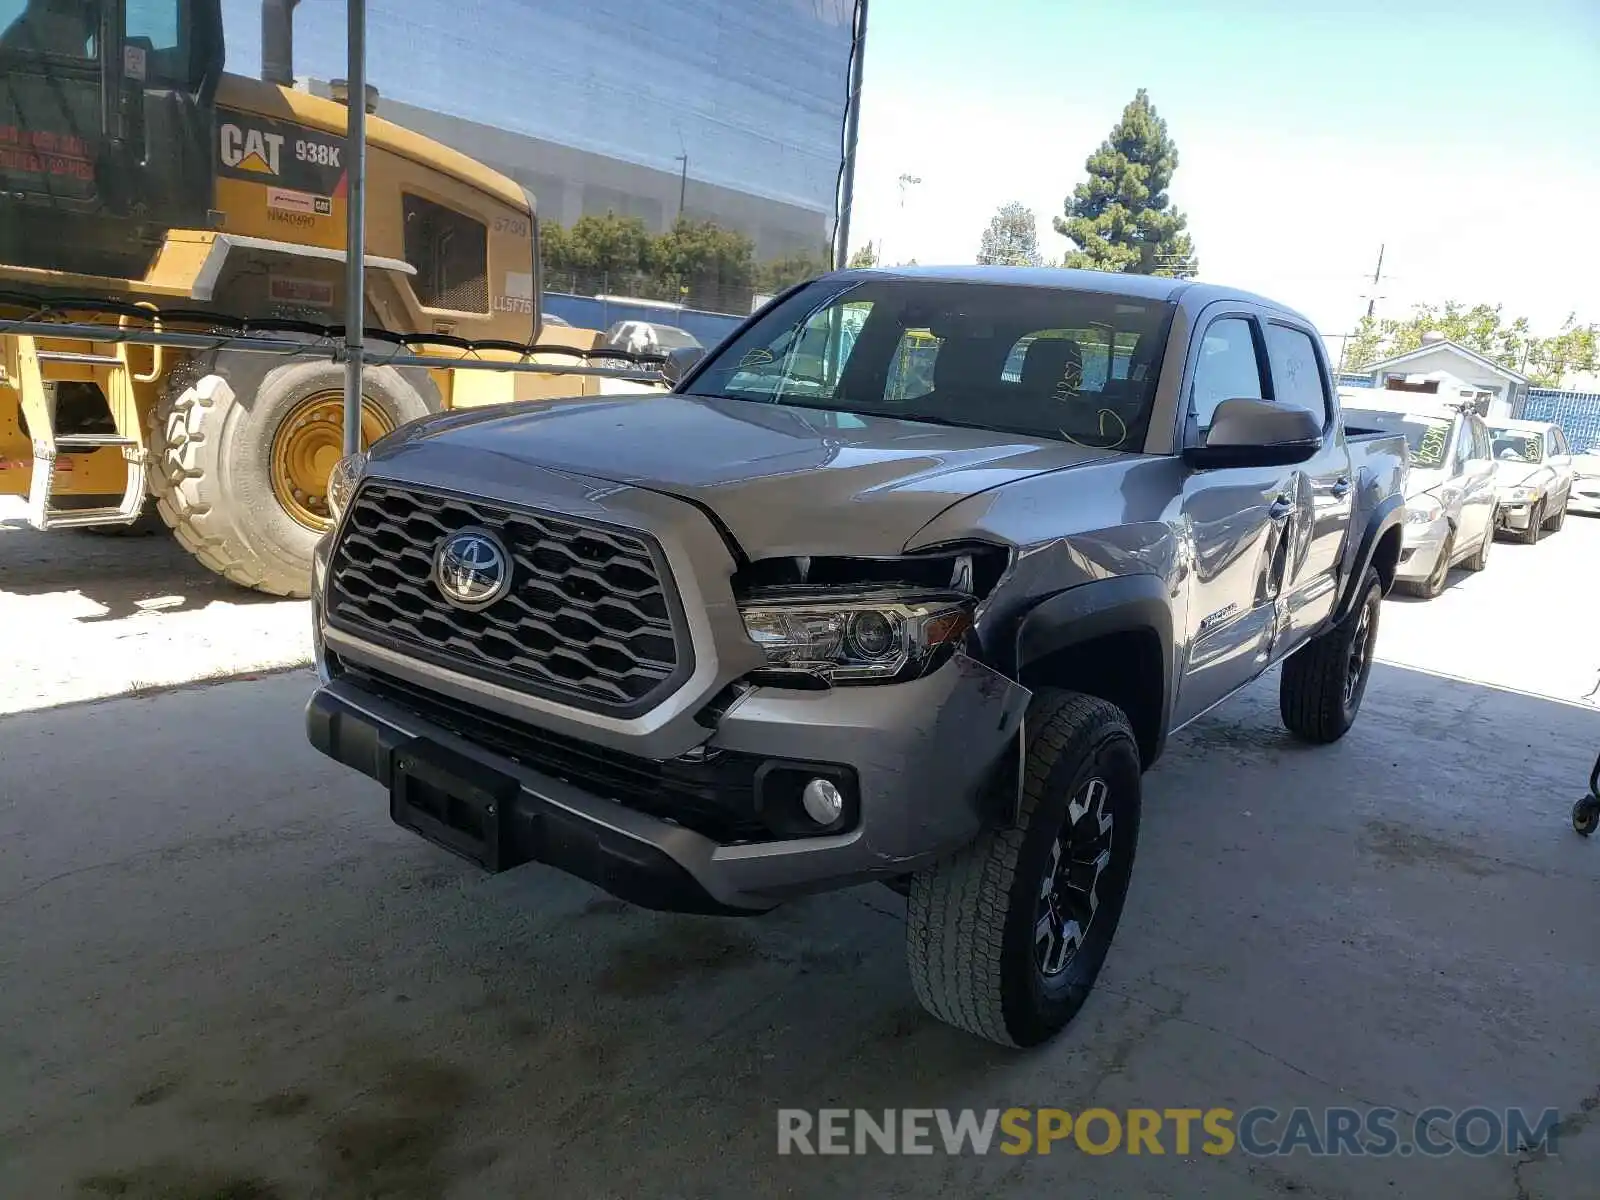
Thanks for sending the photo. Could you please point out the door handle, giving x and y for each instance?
(1341, 489)
(1281, 508)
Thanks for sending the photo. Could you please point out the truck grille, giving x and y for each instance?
(587, 619)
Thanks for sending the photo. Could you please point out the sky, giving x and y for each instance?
(1462, 137)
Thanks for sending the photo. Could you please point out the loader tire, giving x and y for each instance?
(213, 475)
(147, 524)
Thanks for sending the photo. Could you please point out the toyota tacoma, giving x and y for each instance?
(909, 580)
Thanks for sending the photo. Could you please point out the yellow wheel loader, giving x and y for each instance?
(144, 189)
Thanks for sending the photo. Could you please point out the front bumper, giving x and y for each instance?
(1514, 514)
(1420, 547)
(923, 760)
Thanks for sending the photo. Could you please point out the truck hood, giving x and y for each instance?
(782, 480)
(1423, 479)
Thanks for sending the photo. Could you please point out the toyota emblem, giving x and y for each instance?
(472, 569)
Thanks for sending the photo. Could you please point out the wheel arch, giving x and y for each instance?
(1379, 548)
(1112, 638)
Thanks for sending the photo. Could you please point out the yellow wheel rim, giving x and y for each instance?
(307, 444)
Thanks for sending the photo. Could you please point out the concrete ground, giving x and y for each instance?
(89, 616)
(227, 975)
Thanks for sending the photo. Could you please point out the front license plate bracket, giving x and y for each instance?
(456, 803)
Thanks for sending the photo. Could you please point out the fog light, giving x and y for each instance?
(823, 801)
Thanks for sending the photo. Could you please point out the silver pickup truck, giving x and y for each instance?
(908, 580)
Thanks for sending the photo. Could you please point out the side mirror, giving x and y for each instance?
(680, 361)
(1257, 433)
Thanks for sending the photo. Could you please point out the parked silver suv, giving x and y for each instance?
(1450, 490)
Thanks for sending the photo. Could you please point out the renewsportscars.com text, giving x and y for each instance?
(1259, 1132)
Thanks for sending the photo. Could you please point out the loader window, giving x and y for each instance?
(152, 24)
(59, 28)
(451, 254)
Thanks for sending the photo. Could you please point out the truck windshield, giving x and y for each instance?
(1517, 445)
(1044, 362)
(1427, 438)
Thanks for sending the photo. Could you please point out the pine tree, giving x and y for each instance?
(1012, 239)
(1121, 217)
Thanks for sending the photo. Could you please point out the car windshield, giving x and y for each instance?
(1044, 362)
(1427, 438)
(672, 338)
(1517, 445)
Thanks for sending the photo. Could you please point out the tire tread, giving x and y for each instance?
(956, 911)
(1311, 689)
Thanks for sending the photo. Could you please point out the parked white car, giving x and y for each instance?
(1535, 477)
(1450, 488)
(1586, 482)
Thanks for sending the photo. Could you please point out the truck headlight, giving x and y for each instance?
(342, 480)
(857, 637)
(1423, 510)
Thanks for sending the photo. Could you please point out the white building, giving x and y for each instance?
(1442, 367)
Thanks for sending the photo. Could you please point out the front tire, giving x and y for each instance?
(1557, 519)
(221, 479)
(1005, 937)
(1323, 682)
(1530, 536)
(1480, 558)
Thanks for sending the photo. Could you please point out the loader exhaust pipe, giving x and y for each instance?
(277, 41)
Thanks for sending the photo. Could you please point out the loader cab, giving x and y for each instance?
(105, 129)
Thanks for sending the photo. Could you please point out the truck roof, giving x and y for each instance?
(1115, 283)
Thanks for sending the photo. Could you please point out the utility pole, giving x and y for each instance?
(1372, 300)
(845, 200)
(905, 181)
(355, 250)
(683, 181)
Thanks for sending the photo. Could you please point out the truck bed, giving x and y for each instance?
(1378, 455)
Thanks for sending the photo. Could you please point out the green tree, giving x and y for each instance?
(1120, 217)
(1482, 327)
(1012, 238)
(1569, 352)
(555, 248)
(865, 256)
(708, 265)
(796, 267)
(609, 244)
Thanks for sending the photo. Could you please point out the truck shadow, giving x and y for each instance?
(263, 979)
(121, 576)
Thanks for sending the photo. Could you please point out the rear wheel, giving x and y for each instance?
(149, 522)
(1005, 938)
(242, 479)
(1323, 682)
